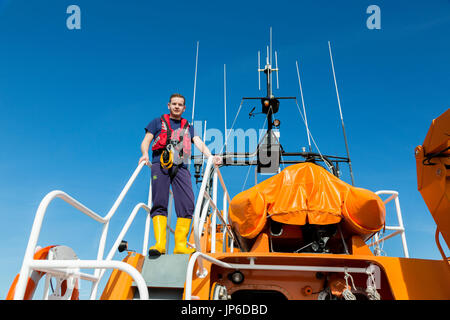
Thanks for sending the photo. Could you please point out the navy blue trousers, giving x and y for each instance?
(182, 192)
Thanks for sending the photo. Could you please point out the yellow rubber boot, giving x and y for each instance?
(181, 233)
(159, 228)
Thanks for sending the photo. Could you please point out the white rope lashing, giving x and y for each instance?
(347, 293)
(371, 290)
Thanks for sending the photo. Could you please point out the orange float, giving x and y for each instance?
(34, 278)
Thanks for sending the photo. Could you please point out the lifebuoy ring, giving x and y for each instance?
(34, 278)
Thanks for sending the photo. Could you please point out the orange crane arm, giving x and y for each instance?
(433, 173)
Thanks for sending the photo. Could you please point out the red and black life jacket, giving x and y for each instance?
(168, 135)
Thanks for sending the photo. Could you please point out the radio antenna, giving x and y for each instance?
(340, 111)
(259, 68)
(276, 67)
(225, 101)
(270, 60)
(304, 109)
(195, 85)
(268, 69)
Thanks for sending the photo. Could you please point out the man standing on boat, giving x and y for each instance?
(171, 150)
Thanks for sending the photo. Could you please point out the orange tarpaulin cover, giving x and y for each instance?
(306, 193)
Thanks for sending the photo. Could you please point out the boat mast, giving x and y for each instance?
(271, 150)
(268, 70)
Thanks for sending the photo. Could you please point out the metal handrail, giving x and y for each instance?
(252, 266)
(202, 207)
(400, 229)
(90, 264)
(198, 220)
(221, 217)
(29, 263)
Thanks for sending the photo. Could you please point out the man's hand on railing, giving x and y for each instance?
(145, 158)
(217, 160)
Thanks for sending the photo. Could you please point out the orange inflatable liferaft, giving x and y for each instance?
(306, 193)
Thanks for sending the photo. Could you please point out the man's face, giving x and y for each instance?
(176, 107)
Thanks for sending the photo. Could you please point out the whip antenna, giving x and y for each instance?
(340, 111)
(270, 60)
(276, 68)
(304, 110)
(259, 69)
(225, 101)
(195, 85)
(193, 99)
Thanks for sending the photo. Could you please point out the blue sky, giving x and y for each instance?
(74, 103)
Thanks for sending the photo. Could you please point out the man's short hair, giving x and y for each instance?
(177, 95)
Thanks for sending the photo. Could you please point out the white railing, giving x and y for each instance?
(100, 264)
(204, 202)
(399, 229)
(370, 270)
